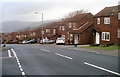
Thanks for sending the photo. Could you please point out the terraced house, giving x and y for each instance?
(107, 26)
(82, 28)
(78, 29)
(50, 31)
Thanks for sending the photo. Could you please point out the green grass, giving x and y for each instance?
(103, 48)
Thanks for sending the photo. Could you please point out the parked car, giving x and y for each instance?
(32, 41)
(15, 41)
(60, 40)
(46, 41)
(25, 42)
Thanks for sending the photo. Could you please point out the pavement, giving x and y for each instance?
(97, 51)
(4, 48)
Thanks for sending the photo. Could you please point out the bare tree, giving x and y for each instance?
(72, 14)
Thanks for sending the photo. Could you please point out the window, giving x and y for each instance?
(54, 31)
(63, 27)
(17, 36)
(118, 33)
(34, 33)
(70, 25)
(98, 20)
(71, 36)
(47, 30)
(42, 32)
(106, 36)
(106, 20)
(118, 16)
(25, 35)
(22, 35)
(60, 27)
(74, 26)
(31, 34)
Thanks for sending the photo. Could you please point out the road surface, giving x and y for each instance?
(38, 59)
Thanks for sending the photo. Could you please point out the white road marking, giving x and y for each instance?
(21, 69)
(64, 56)
(102, 68)
(23, 73)
(9, 53)
(44, 50)
(18, 61)
(19, 65)
(5, 57)
(94, 52)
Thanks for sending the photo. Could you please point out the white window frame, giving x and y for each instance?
(63, 27)
(34, 33)
(106, 36)
(25, 35)
(60, 27)
(119, 16)
(17, 36)
(70, 25)
(47, 30)
(42, 32)
(71, 36)
(74, 26)
(31, 34)
(106, 20)
(118, 33)
(98, 20)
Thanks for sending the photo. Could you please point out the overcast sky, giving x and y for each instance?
(24, 10)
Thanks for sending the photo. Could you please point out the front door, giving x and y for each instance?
(97, 38)
(76, 39)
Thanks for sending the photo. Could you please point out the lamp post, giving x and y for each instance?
(42, 22)
(42, 16)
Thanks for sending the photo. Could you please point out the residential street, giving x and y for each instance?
(35, 59)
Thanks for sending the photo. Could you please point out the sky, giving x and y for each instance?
(24, 10)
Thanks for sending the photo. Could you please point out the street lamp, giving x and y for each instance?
(42, 16)
(42, 23)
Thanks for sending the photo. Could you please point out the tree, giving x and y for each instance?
(72, 14)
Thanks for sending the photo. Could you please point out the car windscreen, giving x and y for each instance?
(60, 39)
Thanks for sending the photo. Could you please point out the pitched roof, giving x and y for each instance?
(83, 27)
(52, 25)
(76, 18)
(107, 11)
(81, 16)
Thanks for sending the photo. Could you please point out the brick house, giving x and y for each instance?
(6, 37)
(78, 29)
(106, 26)
(38, 33)
(50, 31)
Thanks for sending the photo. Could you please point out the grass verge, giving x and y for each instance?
(103, 48)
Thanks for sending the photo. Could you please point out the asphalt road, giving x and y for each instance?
(51, 60)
